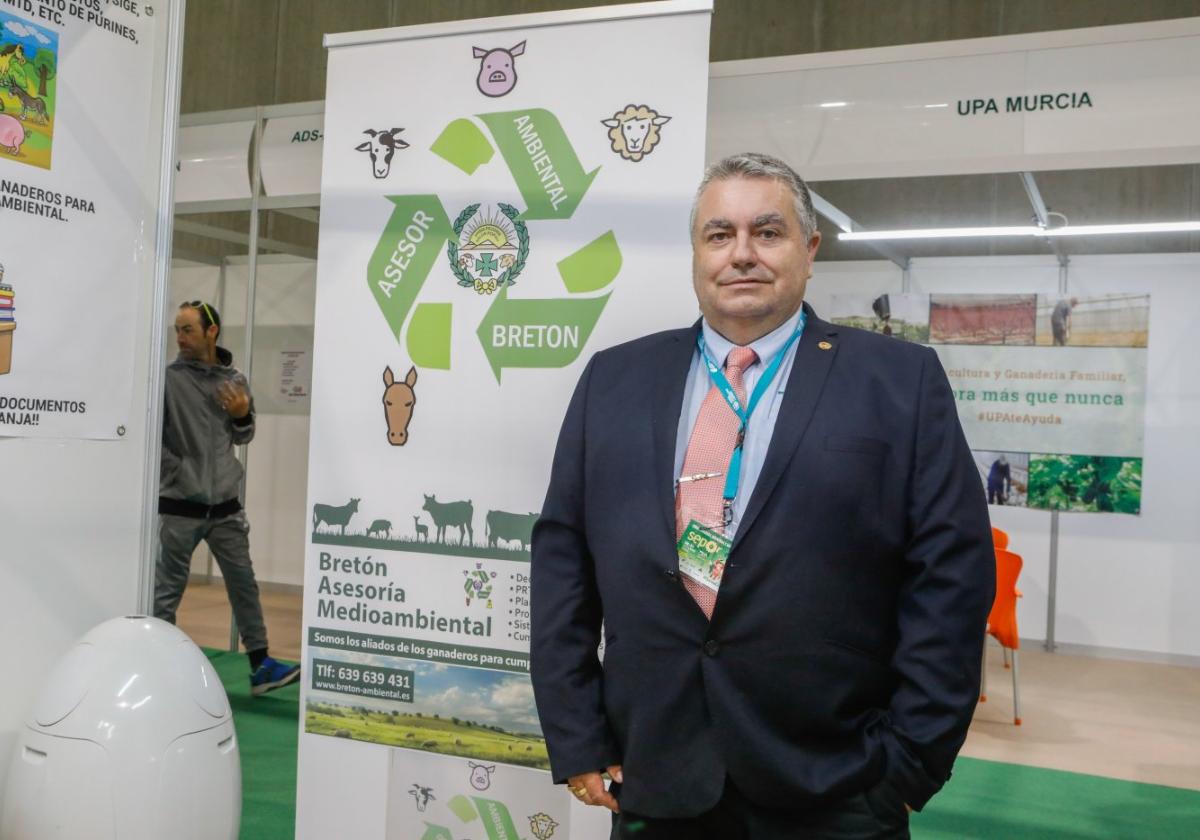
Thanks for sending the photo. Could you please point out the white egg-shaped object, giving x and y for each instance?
(131, 738)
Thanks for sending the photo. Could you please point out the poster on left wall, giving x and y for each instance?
(77, 84)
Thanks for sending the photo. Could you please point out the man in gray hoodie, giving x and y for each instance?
(207, 411)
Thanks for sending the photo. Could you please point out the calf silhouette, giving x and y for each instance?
(451, 514)
(422, 530)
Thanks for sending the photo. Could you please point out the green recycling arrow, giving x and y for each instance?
(461, 807)
(428, 336)
(542, 161)
(593, 266)
(464, 145)
(537, 333)
(410, 244)
(496, 819)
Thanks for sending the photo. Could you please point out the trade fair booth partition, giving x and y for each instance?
(88, 115)
(1031, 107)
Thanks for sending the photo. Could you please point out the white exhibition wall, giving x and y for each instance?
(74, 509)
(71, 548)
(1124, 582)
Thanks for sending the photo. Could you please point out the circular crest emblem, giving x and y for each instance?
(490, 247)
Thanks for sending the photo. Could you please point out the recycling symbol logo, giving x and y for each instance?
(487, 247)
(478, 586)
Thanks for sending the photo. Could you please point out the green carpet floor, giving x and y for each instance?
(994, 801)
(986, 800)
(267, 733)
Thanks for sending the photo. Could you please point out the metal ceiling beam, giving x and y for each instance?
(230, 205)
(225, 235)
(303, 213)
(843, 221)
(1043, 215)
(194, 256)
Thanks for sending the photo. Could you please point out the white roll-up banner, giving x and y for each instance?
(499, 200)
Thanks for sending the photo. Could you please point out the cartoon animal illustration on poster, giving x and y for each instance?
(28, 90)
(380, 146)
(635, 131)
(497, 69)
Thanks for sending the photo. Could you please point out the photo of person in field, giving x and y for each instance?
(1005, 476)
(1099, 321)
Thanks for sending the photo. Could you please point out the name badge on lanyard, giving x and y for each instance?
(703, 549)
(702, 554)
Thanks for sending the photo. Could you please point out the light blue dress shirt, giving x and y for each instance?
(762, 421)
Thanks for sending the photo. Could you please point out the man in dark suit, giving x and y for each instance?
(781, 530)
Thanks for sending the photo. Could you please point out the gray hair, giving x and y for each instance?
(758, 165)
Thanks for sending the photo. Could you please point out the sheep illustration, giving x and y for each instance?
(635, 131)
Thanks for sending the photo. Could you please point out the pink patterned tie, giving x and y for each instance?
(709, 450)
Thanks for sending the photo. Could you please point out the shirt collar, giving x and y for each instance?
(765, 348)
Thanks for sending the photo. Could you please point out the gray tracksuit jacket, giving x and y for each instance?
(198, 463)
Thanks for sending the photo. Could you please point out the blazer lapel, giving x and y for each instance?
(671, 375)
(807, 380)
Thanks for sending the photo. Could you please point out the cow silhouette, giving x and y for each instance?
(453, 515)
(380, 528)
(399, 400)
(502, 525)
(330, 516)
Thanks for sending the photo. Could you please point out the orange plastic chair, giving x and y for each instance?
(1002, 621)
(999, 538)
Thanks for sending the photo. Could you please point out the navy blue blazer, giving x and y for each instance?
(845, 645)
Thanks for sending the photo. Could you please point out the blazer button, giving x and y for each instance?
(671, 574)
(711, 648)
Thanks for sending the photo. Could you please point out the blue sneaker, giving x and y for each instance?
(272, 674)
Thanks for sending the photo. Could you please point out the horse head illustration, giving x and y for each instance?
(399, 400)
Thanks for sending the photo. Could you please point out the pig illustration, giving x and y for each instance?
(481, 775)
(497, 69)
(12, 134)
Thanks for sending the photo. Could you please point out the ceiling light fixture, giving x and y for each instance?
(1020, 230)
(1110, 230)
(833, 104)
(939, 233)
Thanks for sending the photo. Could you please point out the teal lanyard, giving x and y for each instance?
(733, 473)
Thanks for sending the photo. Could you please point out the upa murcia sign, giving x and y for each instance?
(1025, 103)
